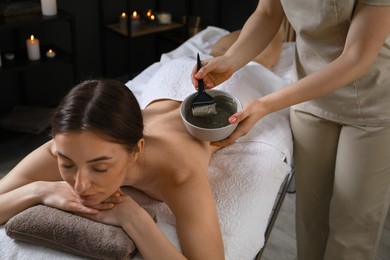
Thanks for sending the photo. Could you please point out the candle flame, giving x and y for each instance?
(152, 17)
(50, 51)
(134, 13)
(123, 14)
(32, 37)
(149, 13)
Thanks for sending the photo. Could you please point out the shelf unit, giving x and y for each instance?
(144, 29)
(21, 62)
(129, 35)
(22, 69)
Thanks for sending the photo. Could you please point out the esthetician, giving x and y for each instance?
(340, 116)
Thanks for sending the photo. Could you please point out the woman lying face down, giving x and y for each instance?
(101, 142)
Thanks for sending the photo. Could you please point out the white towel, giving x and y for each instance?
(245, 179)
(201, 42)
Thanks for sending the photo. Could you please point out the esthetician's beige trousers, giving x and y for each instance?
(343, 187)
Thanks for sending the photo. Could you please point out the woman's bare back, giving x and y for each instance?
(170, 151)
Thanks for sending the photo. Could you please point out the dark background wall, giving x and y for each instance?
(100, 52)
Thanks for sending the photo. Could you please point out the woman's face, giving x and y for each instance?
(94, 167)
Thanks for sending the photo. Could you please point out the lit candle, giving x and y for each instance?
(50, 54)
(164, 18)
(149, 13)
(49, 7)
(135, 21)
(153, 20)
(33, 51)
(123, 21)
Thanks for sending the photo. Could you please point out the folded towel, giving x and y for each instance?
(68, 232)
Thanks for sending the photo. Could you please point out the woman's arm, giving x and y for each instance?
(18, 189)
(197, 223)
(192, 203)
(362, 46)
(150, 241)
(259, 30)
(271, 54)
(40, 164)
(257, 33)
(35, 180)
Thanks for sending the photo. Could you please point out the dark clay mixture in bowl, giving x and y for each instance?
(225, 106)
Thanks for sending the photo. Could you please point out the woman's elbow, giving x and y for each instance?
(358, 63)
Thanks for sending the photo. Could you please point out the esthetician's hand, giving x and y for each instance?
(246, 119)
(213, 72)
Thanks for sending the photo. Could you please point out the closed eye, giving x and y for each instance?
(67, 166)
(99, 170)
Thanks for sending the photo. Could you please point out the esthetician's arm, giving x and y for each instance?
(268, 57)
(257, 33)
(361, 49)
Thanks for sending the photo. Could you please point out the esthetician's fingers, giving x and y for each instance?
(213, 72)
(245, 119)
(217, 70)
(240, 131)
(200, 74)
(193, 79)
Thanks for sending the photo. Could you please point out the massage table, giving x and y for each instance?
(248, 178)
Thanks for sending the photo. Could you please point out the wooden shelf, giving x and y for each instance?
(144, 29)
(132, 39)
(32, 19)
(21, 62)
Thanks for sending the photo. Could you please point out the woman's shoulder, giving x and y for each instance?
(161, 106)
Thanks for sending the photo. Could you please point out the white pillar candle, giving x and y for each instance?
(33, 51)
(49, 7)
(135, 21)
(123, 21)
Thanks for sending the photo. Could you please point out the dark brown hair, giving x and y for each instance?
(106, 107)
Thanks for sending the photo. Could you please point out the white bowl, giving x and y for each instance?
(209, 134)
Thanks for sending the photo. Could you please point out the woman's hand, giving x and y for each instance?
(213, 72)
(62, 196)
(118, 214)
(246, 119)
